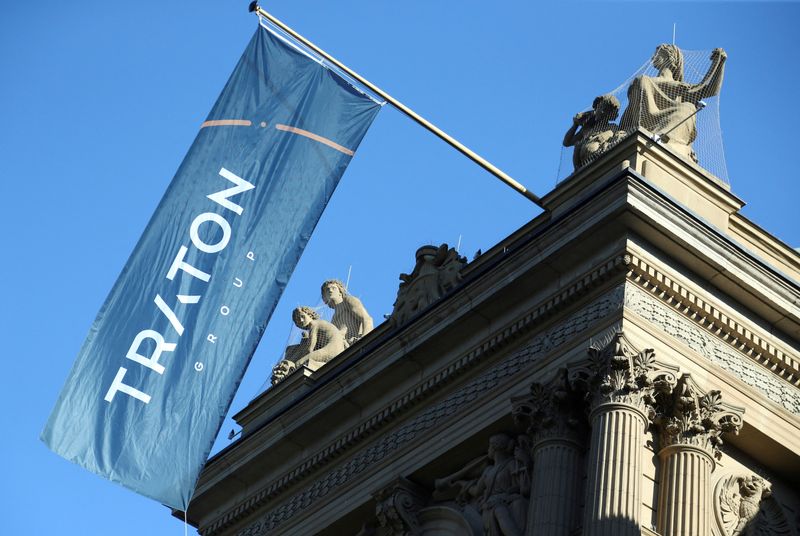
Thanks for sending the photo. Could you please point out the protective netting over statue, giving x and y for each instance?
(322, 332)
(674, 96)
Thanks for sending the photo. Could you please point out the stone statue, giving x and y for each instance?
(437, 271)
(349, 314)
(322, 341)
(500, 491)
(592, 133)
(666, 104)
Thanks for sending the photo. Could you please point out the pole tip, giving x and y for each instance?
(253, 6)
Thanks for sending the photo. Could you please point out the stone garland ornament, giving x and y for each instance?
(744, 506)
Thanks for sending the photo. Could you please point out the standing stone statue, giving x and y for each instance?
(666, 104)
(592, 133)
(349, 314)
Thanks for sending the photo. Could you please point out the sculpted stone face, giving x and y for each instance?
(332, 294)
(303, 319)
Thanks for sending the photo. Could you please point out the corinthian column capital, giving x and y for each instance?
(686, 416)
(617, 373)
(552, 410)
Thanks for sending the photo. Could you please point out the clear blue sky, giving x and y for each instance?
(102, 99)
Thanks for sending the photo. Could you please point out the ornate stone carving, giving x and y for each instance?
(496, 486)
(618, 373)
(744, 506)
(438, 270)
(397, 507)
(592, 133)
(349, 314)
(716, 351)
(685, 416)
(551, 410)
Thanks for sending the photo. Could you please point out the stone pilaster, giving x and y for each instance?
(619, 382)
(690, 425)
(552, 417)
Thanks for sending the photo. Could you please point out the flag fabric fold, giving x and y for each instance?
(157, 373)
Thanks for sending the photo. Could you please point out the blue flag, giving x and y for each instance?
(156, 375)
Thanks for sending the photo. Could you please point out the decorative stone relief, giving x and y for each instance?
(496, 486)
(685, 416)
(349, 314)
(716, 351)
(435, 415)
(744, 506)
(552, 410)
(397, 507)
(438, 270)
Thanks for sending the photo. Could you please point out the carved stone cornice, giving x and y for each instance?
(618, 374)
(687, 303)
(687, 417)
(397, 506)
(684, 329)
(551, 411)
(572, 326)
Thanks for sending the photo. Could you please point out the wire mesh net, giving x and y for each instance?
(674, 96)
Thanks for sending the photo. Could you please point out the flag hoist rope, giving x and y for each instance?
(254, 7)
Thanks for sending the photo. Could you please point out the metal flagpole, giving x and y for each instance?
(254, 7)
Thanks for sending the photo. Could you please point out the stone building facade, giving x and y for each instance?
(625, 363)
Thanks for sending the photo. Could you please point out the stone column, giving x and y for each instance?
(619, 382)
(690, 425)
(552, 417)
(684, 503)
(615, 470)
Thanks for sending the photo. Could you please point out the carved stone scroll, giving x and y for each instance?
(398, 505)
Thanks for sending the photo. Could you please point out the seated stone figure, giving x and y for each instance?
(349, 314)
(592, 133)
(666, 104)
(322, 341)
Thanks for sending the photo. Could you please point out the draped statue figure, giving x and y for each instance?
(666, 104)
